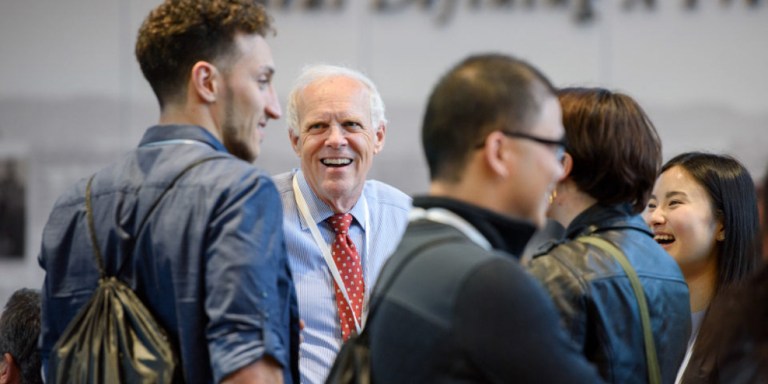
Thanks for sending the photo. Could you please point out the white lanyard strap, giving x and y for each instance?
(326, 250)
(444, 216)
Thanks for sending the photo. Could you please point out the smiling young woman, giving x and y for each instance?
(703, 212)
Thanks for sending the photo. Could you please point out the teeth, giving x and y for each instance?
(664, 238)
(337, 161)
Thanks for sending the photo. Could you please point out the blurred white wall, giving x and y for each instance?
(72, 95)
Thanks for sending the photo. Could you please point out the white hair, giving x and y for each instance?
(313, 73)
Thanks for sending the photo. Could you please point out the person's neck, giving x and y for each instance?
(177, 114)
(473, 193)
(701, 286)
(569, 203)
(340, 205)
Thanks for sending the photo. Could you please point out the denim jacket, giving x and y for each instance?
(210, 262)
(597, 304)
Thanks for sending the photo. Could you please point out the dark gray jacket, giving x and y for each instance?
(597, 303)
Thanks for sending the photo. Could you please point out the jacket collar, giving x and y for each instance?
(160, 133)
(503, 232)
(599, 217)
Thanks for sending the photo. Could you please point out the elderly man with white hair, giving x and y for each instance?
(339, 227)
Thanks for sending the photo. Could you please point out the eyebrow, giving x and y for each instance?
(670, 194)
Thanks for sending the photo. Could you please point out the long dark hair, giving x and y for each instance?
(734, 202)
(735, 335)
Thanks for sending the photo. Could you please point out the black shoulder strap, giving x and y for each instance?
(89, 214)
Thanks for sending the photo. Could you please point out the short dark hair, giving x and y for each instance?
(19, 331)
(734, 201)
(481, 94)
(179, 33)
(615, 149)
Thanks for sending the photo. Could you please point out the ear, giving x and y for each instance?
(380, 134)
(204, 81)
(567, 165)
(8, 372)
(720, 231)
(294, 141)
(496, 154)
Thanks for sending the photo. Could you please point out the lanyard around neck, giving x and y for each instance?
(301, 202)
(444, 216)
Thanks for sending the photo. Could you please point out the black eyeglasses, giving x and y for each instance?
(558, 144)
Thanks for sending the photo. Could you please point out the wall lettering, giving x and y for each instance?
(583, 11)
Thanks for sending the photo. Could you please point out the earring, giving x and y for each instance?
(720, 236)
(552, 196)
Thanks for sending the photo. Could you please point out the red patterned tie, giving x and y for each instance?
(348, 263)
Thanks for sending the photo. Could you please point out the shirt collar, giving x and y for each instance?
(320, 211)
(159, 133)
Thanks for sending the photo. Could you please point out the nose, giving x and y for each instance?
(272, 109)
(655, 217)
(336, 137)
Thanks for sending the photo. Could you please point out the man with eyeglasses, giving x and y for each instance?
(453, 303)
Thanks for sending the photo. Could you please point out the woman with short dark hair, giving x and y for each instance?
(612, 158)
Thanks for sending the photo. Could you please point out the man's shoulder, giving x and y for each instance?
(446, 245)
(236, 171)
(378, 192)
(284, 182)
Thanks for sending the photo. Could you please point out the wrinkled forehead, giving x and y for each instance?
(337, 95)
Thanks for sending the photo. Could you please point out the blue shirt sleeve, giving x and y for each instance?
(246, 266)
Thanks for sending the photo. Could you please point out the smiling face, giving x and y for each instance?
(335, 139)
(682, 219)
(249, 99)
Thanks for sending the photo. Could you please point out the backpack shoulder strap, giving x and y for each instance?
(654, 372)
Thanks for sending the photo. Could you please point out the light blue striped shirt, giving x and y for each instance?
(388, 216)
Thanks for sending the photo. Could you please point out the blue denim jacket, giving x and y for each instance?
(210, 263)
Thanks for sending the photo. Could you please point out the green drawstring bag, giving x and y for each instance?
(114, 339)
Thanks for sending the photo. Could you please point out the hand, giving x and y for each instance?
(263, 371)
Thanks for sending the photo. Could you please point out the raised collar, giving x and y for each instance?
(319, 210)
(503, 232)
(600, 217)
(160, 133)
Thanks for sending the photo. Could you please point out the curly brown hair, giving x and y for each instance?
(179, 33)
